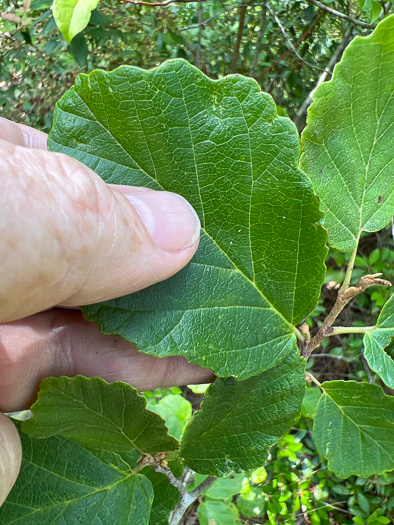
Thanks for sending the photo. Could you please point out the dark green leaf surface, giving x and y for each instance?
(354, 428)
(166, 497)
(61, 482)
(98, 415)
(348, 142)
(259, 267)
(239, 421)
(376, 341)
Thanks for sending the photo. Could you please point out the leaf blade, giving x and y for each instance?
(76, 407)
(70, 481)
(72, 16)
(376, 341)
(235, 160)
(354, 428)
(348, 156)
(244, 436)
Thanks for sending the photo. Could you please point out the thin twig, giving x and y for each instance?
(283, 31)
(263, 24)
(341, 15)
(208, 20)
(330, 67)
(187, 500)
(296, 44)
(160, 4)
(343, 299)
(198, 48)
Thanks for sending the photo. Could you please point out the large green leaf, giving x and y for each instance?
(220, 144)
(72, 16)
(98, 415)
(62, 482)
(348, 142)
(240, 420)
(377, 340)
(354, 428)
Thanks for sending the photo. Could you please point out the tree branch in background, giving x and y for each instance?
(242, 13)
(330, 66)
(283, 31)
(341, 15)
(263, 24)
(208, 20)
(200, 28)
(296, 44)
(159, 4)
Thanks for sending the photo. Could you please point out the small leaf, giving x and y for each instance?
(244, 419)
(217, 513)
(62, 482)
(176, 411)
(72, 16)
(348, 141)
(98, 415)
(226, 487)
(354, 428)
(376, 9)
(375, 342)
(310, 402)
(220, 144)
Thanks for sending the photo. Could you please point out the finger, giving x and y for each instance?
(22, 135)
(68, 238)
(61, 342)
(10, 456)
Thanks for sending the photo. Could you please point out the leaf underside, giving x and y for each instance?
(240, 420)
(220, 144)
(63, 482)
(348, 142)
(354, 428)
(379, 357)
(99, 415)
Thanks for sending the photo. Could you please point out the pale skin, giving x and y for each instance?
(66, 239)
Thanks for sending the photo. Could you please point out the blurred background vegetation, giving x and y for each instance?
(284, 44)
(288, 46)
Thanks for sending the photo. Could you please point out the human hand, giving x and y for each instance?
(67, 238)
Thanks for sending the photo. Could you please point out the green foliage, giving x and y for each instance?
(354, 428)
(66, 480)
(231, 148)
(234, 308)
(377, 340)
(80, 406)
(72, 16)
(273, 401)
(352, 152)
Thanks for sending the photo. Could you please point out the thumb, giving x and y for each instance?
(68, 238)
(10, 456)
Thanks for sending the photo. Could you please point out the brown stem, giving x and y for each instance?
(342, 300)
(341, 15)
(296, 44)
(241, 23)
(263, 24)
(200, 28)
